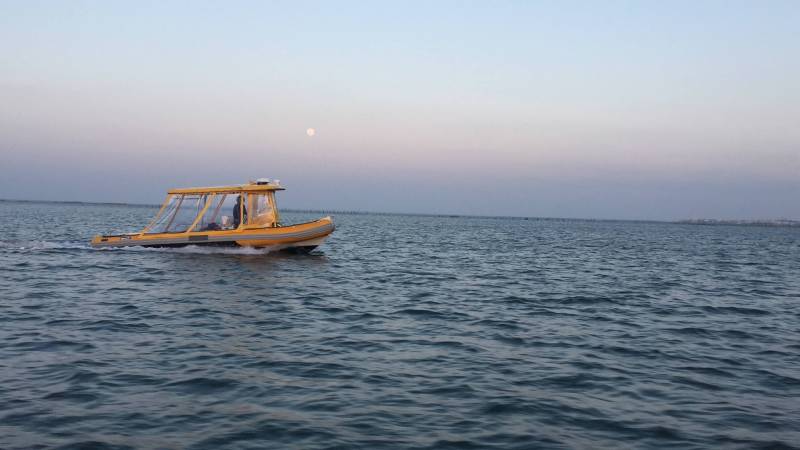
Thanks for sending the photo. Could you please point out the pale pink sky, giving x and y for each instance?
(669, 111)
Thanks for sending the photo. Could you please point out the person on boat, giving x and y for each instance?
(237, 218)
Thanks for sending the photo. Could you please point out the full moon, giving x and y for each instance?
(311, 131)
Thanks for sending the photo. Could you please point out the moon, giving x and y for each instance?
(311, 132)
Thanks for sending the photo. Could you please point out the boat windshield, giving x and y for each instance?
(179, 213)
(261, 210)
(219, 215)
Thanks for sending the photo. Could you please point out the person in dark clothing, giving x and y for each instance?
(237, 219)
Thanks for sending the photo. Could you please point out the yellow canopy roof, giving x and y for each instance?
(227, 189)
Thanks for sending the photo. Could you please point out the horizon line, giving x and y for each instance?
(690, 221)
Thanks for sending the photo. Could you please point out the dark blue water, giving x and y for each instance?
(400, 332)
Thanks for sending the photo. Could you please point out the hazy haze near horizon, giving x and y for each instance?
(637, 110)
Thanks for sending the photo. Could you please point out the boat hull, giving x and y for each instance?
(300, 237)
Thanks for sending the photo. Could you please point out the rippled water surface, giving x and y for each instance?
(400, 332)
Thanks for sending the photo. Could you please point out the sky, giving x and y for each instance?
(610, 110)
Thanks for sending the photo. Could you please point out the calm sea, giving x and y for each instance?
(400, 332)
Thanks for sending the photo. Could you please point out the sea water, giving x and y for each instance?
(400, 332)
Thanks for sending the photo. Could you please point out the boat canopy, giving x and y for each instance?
(252, 187)
(221, 208)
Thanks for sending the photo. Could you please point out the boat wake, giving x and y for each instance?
(55, 246)
(193, 250)
(43, 245)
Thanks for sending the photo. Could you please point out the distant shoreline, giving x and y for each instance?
(742, 222)
(76, 202)
(788, 223)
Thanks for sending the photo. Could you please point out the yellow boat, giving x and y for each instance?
(244, 215)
